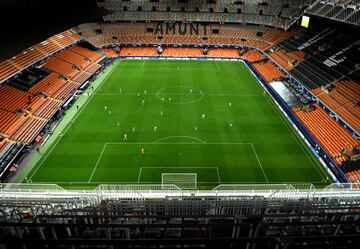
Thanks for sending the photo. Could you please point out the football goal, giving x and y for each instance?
(181, 180)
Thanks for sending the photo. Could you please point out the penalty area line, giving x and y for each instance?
(97, 163)
(257, 158)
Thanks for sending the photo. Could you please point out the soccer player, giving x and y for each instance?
(125, 137)
(203, 116)
(143, 102)
(230, 104)
(145, 92)
(230, 124)
(163, 100)
(105, 108)
(155, 128)
(142, 151)
(169, 99)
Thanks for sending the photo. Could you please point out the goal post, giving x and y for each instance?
(181, 180)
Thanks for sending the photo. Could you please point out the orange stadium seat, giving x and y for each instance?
(223, 52)
(330, 134)
(93, 56)
(228, 34)
(253, 56)
(61, 67)
(18, 100)
(343, 101)
(9, 122)
(73, 58)
(269, 71)
(138, 51)
(49, 85)
(110, 52)
(28, 131)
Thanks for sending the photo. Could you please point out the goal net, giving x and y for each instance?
(181, 180)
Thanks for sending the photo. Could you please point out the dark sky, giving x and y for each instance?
(28, 22)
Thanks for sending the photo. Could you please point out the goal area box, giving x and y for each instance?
(181, 180)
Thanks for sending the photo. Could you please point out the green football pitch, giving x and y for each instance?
(211, 119)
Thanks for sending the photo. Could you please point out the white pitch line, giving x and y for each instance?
(218, 173)
(142, 64)
(74, 118)
(139, 176)
(121, 183)
(257, 158)
(295, 136)
(97, 163)
(169, 137)
(153, 143)
(183, 94)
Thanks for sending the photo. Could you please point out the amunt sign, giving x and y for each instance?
(177, 28)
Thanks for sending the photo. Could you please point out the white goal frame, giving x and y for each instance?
(190, 181)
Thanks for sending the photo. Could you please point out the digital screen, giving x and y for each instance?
(305, 21)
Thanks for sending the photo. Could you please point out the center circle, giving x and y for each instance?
(180, 95)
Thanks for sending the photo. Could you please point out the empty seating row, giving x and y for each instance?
(93, 56)
(353, 176)
(282, 59)
(73, 58)
(269, 71)
(138, 51)
(111, 52)
(4, 144)
(9, 122)
(7, 70)
(252, 56)
(329, 134)
(62, 67)
(66, 38)
(223, 52)
(81, 77)
(47, 109)
(23, 114)
(12, 100)
(343, 100)
(29, 130)
(182, 52)
(49, 85)
(65, 91)
(228, 34)
(36, 53)
(93, 68)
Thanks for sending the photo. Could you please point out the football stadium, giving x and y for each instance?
(184, 124)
